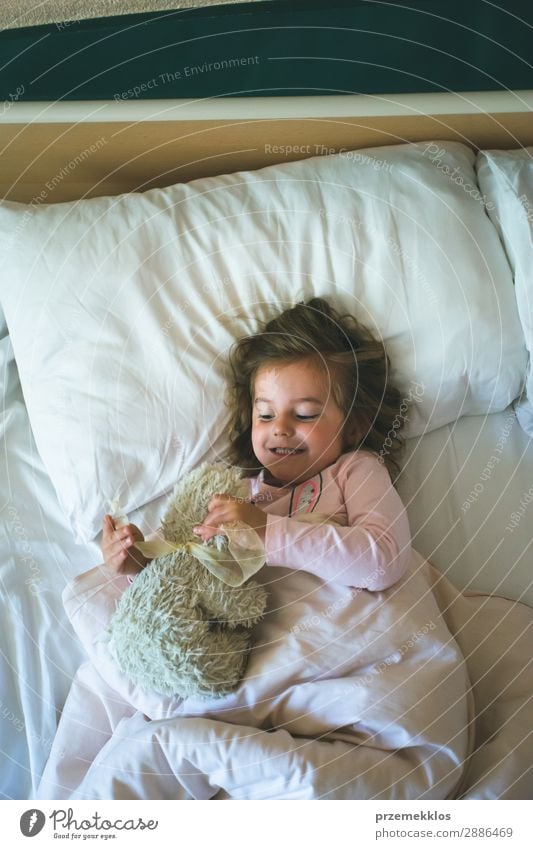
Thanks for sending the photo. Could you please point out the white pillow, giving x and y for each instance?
(122, 309)
(506, 180)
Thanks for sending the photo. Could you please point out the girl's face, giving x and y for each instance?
(297, 428)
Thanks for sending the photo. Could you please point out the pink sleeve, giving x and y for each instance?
(372, 551)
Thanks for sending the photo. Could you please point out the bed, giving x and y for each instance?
(419, 200)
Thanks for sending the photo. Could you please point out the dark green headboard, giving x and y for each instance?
(275, 48)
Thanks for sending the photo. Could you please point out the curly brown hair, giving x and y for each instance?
(356, 363)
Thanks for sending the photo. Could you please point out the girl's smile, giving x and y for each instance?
(297, 427)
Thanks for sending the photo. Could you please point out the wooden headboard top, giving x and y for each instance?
(53, 152)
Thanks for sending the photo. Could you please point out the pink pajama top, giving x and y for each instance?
(360, 536)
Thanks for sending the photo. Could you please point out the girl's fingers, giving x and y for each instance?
(130, 532)
(206, 536)
(205, 531)
(114, 563)
(117, 550)
(107, 530)
(121, 533)
(120, 537)
(215, 516)
(210, 523)
(220, 499)
(118, 560)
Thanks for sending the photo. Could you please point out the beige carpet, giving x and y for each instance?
(24, 13)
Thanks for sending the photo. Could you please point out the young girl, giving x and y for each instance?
(311, 405)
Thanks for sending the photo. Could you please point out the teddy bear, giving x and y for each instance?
(181, 628)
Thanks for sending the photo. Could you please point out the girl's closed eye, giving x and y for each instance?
(266, 417)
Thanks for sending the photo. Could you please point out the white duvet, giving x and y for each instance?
(348, 695)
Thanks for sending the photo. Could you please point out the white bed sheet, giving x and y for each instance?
(39, 653)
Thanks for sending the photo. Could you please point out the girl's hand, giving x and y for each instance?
(224, 509)
(119, 556)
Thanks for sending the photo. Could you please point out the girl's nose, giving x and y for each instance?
(282, 427)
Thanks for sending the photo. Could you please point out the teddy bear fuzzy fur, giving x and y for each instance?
(178, 629)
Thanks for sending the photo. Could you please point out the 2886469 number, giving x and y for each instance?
(480, 831)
